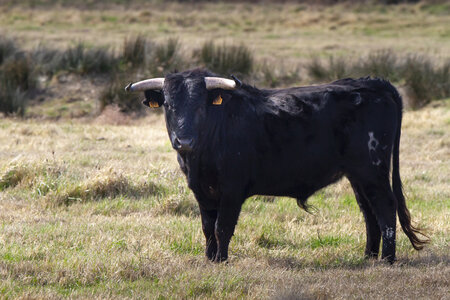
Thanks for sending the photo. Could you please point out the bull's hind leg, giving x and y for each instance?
(383, 204)
(373, 232)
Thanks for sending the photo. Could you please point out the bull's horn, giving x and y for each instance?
(219, 83)
(148, 84)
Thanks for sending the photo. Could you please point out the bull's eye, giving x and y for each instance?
(218, 100)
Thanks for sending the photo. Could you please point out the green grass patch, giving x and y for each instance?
(327, 241)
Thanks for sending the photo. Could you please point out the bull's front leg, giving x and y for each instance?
(227, 218)
(208, 225)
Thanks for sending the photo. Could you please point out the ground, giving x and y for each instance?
(89, 209)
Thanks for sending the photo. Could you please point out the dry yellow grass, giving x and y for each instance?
(101, 210)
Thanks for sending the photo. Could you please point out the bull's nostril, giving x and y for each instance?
(183, 145)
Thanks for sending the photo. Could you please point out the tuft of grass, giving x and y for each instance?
(326, 241)
(178, 205)
(81, 60)
(335, 68)
(225, 59)
(108, 184)
(166, 56)
(17, 77)
(7, 48)
(278, 75)
(270, 242)
(47, 61)
(382, 63)
(17, 71)
(134, 51)
(425, 81)
(114, 93)
(13, 101)
(12, 176)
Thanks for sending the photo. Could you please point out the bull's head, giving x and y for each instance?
(185, 97)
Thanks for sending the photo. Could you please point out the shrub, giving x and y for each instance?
(425, 81)
(99, 60)
(166, 57)
(87, 61)
(12, 100)
(279, 75)
(177, 205)
(134, 51)
(225, 59)
(16, 78)
(335, 69)
(7, 48)
(114, 93)
(17, 72)
(383, 63)
(47, 61)
(443, 80)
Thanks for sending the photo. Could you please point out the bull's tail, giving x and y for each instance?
(403, 212)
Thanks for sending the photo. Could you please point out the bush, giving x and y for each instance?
(135, 51)
(225, 59)
(47, 61)
(13, 101)
(17, 72)
(7, 48)
(335, 69)
(99, 60)
(424, 81)
(383, 63)
(279, 75)
(114, 93)
(88, 61)
(16, 78)
(166, 57)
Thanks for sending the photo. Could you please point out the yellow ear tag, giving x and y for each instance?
(153, 104)
(218, 100)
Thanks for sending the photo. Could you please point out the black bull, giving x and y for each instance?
(235, 143)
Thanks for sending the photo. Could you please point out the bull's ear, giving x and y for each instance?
(218, 100)
(153, 98)
(218, 97)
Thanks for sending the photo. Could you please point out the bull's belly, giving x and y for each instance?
(293, 184)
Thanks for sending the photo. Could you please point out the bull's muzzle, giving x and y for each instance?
(183, 145)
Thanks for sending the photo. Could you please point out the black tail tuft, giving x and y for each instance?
(305, 206)
(403, 212)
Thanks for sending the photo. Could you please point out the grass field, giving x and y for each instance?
(102, 210)
(95, 206)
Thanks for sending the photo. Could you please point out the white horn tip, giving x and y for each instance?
(128, 87)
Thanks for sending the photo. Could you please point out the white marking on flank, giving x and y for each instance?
(389, 232)
(372, 145)
(373, 142)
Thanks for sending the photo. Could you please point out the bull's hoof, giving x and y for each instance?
(389, 259)
(220, 258)
(211, 251)
(370, 255)
(211, 254)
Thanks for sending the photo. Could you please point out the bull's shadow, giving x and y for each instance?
(427, 259)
